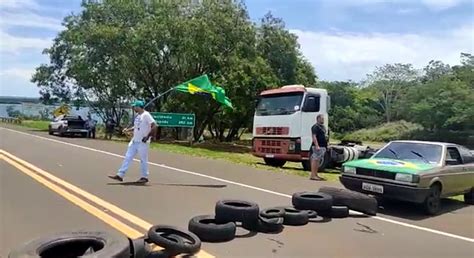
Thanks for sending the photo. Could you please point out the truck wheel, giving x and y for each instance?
(469, 197)
(274, 162)
(432, 203)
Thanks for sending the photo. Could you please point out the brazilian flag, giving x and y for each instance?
(202, 86)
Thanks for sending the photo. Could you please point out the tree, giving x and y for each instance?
(388, 85)
(443, 104)
(435, 70)
(281, 49)
(114, 51)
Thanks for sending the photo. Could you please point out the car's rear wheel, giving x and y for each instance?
(50, 130)
(274, 162)
(469, 197)
(432, 203)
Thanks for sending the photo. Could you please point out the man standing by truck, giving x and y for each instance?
(320, 145)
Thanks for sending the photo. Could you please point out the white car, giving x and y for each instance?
(68, 125)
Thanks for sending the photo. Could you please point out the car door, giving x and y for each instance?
(468, 166)
(455, 174)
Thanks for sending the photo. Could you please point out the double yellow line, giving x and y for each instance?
(58, 186)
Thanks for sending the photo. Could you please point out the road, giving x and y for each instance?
(73, 192)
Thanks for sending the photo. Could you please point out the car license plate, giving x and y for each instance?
(372, 188)
(269, 156)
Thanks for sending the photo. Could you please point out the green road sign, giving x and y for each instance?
(174, 119)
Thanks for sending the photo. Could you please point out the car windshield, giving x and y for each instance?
(279, 104)
(410, 151)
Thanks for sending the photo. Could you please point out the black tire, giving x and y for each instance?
(270, 225)
(294, 217)
(469, 197)
(274, 162)
(432, 203)
(312, 214)
(236, 211)
(354, 200)
(312, 201)
(172, 240)
(339, 212)
(208, 230)
(75, 244)
(50, 131)
(276, 212)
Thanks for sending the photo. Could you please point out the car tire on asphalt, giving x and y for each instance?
(312, 201)
(270, 225)
(311, 214)
(432, 203)
(276, 212)
(236, 211)
(75, 244)
(339, 212)
(295, 217)
(353, 200)
(172, 240)
(208, 230)
(469, 197)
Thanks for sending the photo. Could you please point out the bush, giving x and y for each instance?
(386, 132)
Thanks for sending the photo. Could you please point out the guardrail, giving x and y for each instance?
(11, 120)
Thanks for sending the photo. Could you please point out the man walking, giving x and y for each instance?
(144, 127)
(320, 144)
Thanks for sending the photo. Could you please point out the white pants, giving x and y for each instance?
(134, 148)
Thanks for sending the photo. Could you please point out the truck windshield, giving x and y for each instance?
(410, 151)
(278, 104)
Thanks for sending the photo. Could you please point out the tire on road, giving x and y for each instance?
(337, 212)
(172, 240)
(312, 201)
(432, 203)
(270, 225)
(469, 197)
(75, 244)
(276, 212)
(294, 217)
(236, 211)
(208, 230)
(312, 214)
(354, 200)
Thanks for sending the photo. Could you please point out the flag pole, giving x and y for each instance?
(159, 96)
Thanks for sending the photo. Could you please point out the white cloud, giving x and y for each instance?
(439, 5)
(29, 19)
(435, 5)
(18, 4)
(13, 44)
(344, 55)
(18, 73)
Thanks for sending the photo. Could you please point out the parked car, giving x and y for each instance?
(68, 125)
(414, 171)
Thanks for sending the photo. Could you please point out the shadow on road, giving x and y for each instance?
(163, 184)
(413, 211)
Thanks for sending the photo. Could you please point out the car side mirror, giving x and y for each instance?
(452, 162)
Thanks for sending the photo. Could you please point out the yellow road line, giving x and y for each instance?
(111, 207)
(125, 229)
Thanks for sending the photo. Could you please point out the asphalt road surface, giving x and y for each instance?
(50, 184)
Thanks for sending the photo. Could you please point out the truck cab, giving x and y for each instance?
(283, 120)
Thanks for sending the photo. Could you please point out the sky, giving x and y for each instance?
(343, 39)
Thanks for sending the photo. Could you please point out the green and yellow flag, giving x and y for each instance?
(202, 85)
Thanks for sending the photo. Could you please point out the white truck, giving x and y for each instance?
(282, 128)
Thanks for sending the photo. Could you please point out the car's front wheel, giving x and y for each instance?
(469, 197)
(432, 203)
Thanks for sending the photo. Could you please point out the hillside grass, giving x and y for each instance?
(385, 132)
